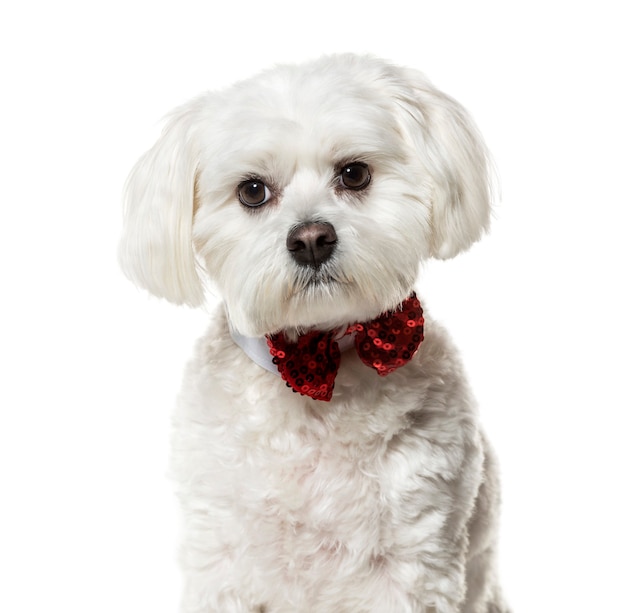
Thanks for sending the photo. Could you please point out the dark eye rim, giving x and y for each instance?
(267, 193)
(357, 187)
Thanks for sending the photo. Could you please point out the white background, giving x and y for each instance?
(90, 366)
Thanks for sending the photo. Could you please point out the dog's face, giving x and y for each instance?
(309, 195)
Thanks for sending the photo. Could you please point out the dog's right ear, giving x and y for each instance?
(156, 250)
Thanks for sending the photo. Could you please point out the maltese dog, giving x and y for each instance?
(326, 446)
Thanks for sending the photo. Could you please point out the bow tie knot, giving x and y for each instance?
(310, 364)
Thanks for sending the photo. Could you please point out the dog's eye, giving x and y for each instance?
(355, 176)
(253, 193)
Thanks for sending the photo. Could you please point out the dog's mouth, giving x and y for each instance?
(314, 281)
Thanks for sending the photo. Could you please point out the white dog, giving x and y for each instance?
(309, 195)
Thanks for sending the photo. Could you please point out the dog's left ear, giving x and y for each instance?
(452, 153)
(156, 250)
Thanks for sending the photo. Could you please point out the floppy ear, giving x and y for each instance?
(156, 250)
(453, 154)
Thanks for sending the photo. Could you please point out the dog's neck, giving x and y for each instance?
(310, 364)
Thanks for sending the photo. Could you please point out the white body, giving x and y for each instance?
(383, 499)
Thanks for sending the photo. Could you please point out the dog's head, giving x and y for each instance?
(308, 194)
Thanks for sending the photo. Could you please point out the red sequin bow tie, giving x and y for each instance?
(310, 365)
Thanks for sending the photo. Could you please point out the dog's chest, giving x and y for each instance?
(293, 464)
(314, 500)
(302, 494)
(319, 479)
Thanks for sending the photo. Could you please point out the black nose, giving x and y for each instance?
(312, 243)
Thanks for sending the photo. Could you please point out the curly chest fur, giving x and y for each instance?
(305, 497)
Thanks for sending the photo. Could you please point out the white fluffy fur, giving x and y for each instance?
(384, 499)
